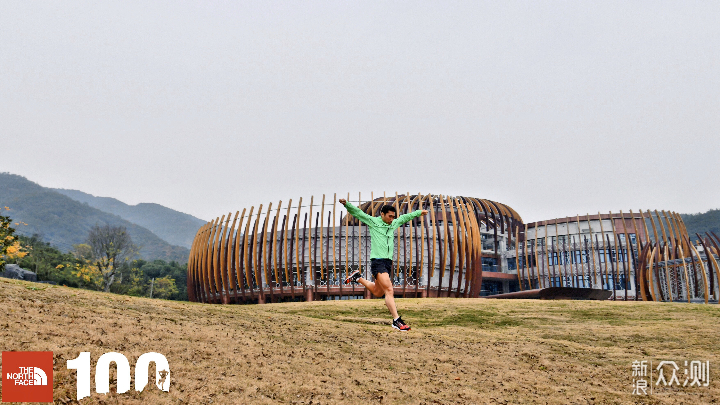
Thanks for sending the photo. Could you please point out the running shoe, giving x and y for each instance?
(399, 324)
(354, 276)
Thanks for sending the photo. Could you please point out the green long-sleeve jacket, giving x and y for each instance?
(382, 235)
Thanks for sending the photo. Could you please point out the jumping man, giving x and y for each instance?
(382, 237)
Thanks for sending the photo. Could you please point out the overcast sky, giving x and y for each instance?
(554, 108)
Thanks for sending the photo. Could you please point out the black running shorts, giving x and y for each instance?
(380, 266)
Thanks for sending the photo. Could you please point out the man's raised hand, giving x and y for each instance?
(342, 201)
(424, 212)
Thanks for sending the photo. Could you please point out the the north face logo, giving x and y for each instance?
(27, 376)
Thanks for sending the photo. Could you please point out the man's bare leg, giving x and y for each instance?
(370, 286)
(382, 286)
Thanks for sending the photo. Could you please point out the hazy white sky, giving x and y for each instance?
(554, 108)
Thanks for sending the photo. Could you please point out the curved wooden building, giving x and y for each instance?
(464, 247)
(295, 251)
(646, 255)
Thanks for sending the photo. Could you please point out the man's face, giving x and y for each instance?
(388, 217)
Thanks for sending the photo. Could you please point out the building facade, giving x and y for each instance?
(464, 247)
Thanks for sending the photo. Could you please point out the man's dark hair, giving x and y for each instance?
(387, 208)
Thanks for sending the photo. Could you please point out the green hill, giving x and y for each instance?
(172, 226)
(701, 223)
(63, 222)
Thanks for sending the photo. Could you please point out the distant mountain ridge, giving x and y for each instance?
(702, 222)
(63, 221)
(174, 227)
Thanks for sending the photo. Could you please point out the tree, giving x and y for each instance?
(164, 287)
(111, 247)
(10, 247)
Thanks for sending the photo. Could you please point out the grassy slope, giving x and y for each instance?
(459, 351)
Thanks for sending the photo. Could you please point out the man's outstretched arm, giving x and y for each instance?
(356, 212)
(407, 217)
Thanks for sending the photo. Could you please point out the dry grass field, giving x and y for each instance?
(461, 351)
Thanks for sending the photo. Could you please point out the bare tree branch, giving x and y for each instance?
(111, 247)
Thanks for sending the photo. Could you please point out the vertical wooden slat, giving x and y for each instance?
(347, 228)
(422, 246)
(667, 274)
(653, 252)
(517, 256)
(662, 228)
(322, 226)
(315, 272)
(247, 250)
(285, 246)
(298, 270)
(566, 247)
(673, 252)
(293, 249)
(431, 270)
(264, 252)
(546, 258)
(461, 243)
(712, 263)
(211, 260)
(626, 259)
(333, 241)
(592, 249)
(274, 247)
(685, 271)
(229, 259)
(222, 264)
(605, 252)
(303, 274)
(526, 261)
(561, 258)
(476, 278)
(406, 209)
(535, 255)
(639, 245)
(202, 253)
(429, 249)
(254, 258)
(469, 239)
(217, 256)
(282, 254)
(617, 261)
(397, 251)
(311, 268)
(199, 254)
(446, 243)
(671, 229)
(702, 267)
(327, 253)
(359, 229)
(577, 221)
(647, 231)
